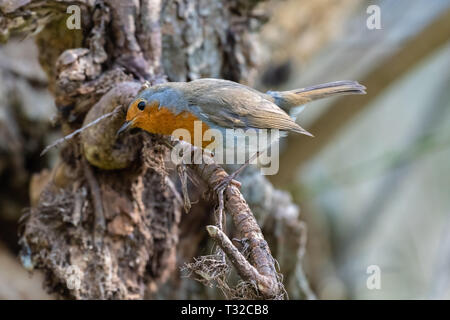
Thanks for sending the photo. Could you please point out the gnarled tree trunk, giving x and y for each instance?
(106, 222)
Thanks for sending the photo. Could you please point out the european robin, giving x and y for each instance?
(223, 104)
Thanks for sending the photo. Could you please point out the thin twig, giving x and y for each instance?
(243, 267)
(73, 134)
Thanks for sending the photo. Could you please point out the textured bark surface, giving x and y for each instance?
(144, 237)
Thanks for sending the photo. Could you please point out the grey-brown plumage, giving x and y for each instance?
(227, 104)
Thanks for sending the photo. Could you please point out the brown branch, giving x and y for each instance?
(279, 218)
(267, 285)
(264, 273)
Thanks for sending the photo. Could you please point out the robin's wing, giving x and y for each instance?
(228, 104)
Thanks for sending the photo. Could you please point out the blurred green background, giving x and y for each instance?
(374, 183)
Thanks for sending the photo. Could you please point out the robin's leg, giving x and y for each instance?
(230, 178)
(221, 187)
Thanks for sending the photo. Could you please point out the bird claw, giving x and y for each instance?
(219, 191)
(225, 183)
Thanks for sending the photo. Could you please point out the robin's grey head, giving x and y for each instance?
(169, 95)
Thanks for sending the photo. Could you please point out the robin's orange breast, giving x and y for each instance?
(162, 120)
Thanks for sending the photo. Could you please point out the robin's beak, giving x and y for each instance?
(125, 127)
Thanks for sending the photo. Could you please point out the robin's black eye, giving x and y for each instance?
(141, 105)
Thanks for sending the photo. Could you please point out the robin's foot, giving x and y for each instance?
(243, 244)
(219, 191)
(230, 179)
(226, 182)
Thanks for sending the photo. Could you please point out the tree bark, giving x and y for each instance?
(107, 221)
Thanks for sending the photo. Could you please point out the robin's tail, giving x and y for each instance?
(293, 98)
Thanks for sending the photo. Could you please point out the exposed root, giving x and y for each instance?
(100, 224)
(211, 270)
